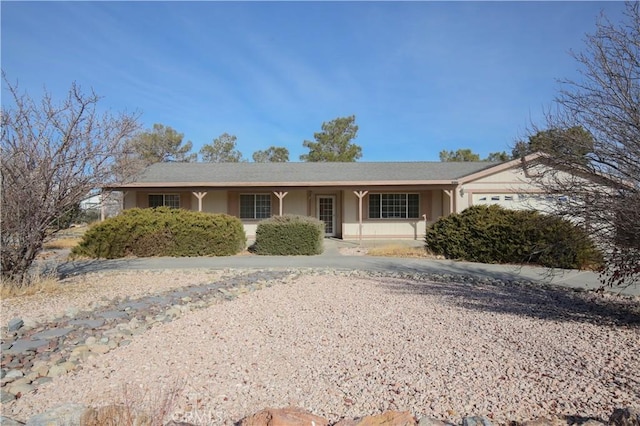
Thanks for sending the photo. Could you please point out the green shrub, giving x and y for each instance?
(289, 235)
(491, 234)
(163, 232)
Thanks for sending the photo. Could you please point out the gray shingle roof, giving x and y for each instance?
(225, 174)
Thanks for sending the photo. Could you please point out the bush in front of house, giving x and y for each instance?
(492, 234)
(163, 232)
(289, 235)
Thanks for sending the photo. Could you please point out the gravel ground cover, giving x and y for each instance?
(347, 345)
(83, 292)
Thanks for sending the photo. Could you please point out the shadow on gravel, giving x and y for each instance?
(529, 300)
(82, 267)
(508, 273)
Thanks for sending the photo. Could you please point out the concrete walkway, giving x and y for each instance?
(331, 258)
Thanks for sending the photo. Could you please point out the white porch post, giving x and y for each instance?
(102, 212)
(199, 196)
(449, 193)
(360, 195)
(280, 196)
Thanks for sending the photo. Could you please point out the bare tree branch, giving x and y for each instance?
(605, 102)
(53, 155)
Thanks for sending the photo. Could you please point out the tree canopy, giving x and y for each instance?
(273, 154)
(221, 150)
(459, 155)
(468, 155)
(334, 142)
(162, 144)
(498, 157)
(573, 142)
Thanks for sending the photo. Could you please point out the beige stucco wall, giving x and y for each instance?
(510, 189)
(503, 188)
(213, 202)
(441, 205)
(351, 207)
(382, 228)
(129, 200)
(295, 202)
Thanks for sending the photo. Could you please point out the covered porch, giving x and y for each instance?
(349, 213)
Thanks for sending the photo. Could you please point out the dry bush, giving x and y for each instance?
(139, 407)
(61, 243)
(399, 250)
(40, 282)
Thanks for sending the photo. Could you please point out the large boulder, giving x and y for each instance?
(292, 416)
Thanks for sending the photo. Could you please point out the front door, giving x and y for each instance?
(326, 212)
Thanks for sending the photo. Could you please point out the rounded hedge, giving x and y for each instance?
(289, 235)
(163, 232)
(492, 234)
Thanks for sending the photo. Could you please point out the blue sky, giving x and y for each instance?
(420, 77)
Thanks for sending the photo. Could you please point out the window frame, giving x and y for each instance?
(164, 200)
(255, 207)
(387, 208)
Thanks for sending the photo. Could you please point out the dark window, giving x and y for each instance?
(255, 206)
(164, 200)
(394, 206)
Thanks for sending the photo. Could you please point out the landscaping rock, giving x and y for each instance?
(88, 323)
(430, 421)
(41, 380)
(6, 397)
(543, 421)
(283, 417)
(60, 369)
(476, 421)
(14, 374)
(99, 349)
(65, 414)
(21, 389)
(24, 345)
(6, 421)
(52, 333)
(388, 418)
(15, 324)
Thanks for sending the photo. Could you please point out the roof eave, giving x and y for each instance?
(501, 167)
(222, 185)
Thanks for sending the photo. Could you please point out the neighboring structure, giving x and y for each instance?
(102, 204)
(387, 200)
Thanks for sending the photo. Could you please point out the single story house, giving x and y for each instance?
(369, 200)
